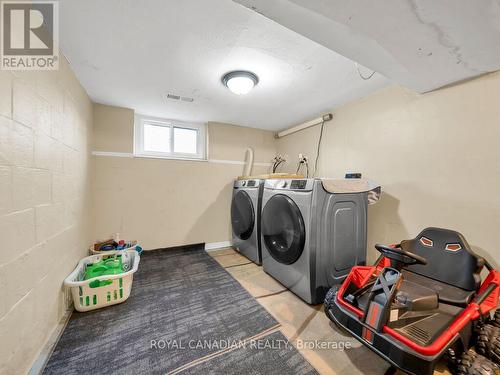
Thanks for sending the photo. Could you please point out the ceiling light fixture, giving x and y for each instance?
(240, 82)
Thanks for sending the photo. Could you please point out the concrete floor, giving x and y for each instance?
(303, 324)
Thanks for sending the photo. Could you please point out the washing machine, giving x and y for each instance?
(245, 218)
(314, 231)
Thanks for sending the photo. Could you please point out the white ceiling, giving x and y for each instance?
(132, 53)
(421, 44)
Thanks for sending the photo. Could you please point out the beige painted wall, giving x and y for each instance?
(45, 127)
(112, 128)
(228, 142)
(164, 202)
(436, 155)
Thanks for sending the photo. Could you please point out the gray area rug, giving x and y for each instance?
(183, 306)
(270, 355)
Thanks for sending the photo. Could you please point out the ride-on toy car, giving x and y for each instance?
(422, 300)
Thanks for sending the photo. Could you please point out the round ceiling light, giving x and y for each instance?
(240, 82)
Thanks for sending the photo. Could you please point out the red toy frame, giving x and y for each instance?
(360, 275)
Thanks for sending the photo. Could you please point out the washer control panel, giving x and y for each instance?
(298, 184)
(283, 184)
(303, 184)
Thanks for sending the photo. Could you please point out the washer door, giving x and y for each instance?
(283, 229)
(242, 215)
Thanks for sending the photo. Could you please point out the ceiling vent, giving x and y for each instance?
(178, 97)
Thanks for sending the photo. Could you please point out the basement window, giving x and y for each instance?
(171, 139)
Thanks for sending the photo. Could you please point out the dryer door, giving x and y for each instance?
(242, 215)
(283, 229)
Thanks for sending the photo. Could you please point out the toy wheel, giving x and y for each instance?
(488, 342)
(474, 364)
(330, 296)
(496, 319)
(465, 362)
(452, 359)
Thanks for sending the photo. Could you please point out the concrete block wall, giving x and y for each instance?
(45, 139)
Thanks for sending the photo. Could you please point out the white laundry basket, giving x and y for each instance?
(118, 290)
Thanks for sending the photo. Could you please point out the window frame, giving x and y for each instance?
(141, 120)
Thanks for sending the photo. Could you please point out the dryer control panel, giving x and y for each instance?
(251, 183)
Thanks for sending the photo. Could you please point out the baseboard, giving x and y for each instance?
(212, 246)
(192, 246)
(48, 348)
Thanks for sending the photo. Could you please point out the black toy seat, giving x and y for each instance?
(452, 269)
(446, 293)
